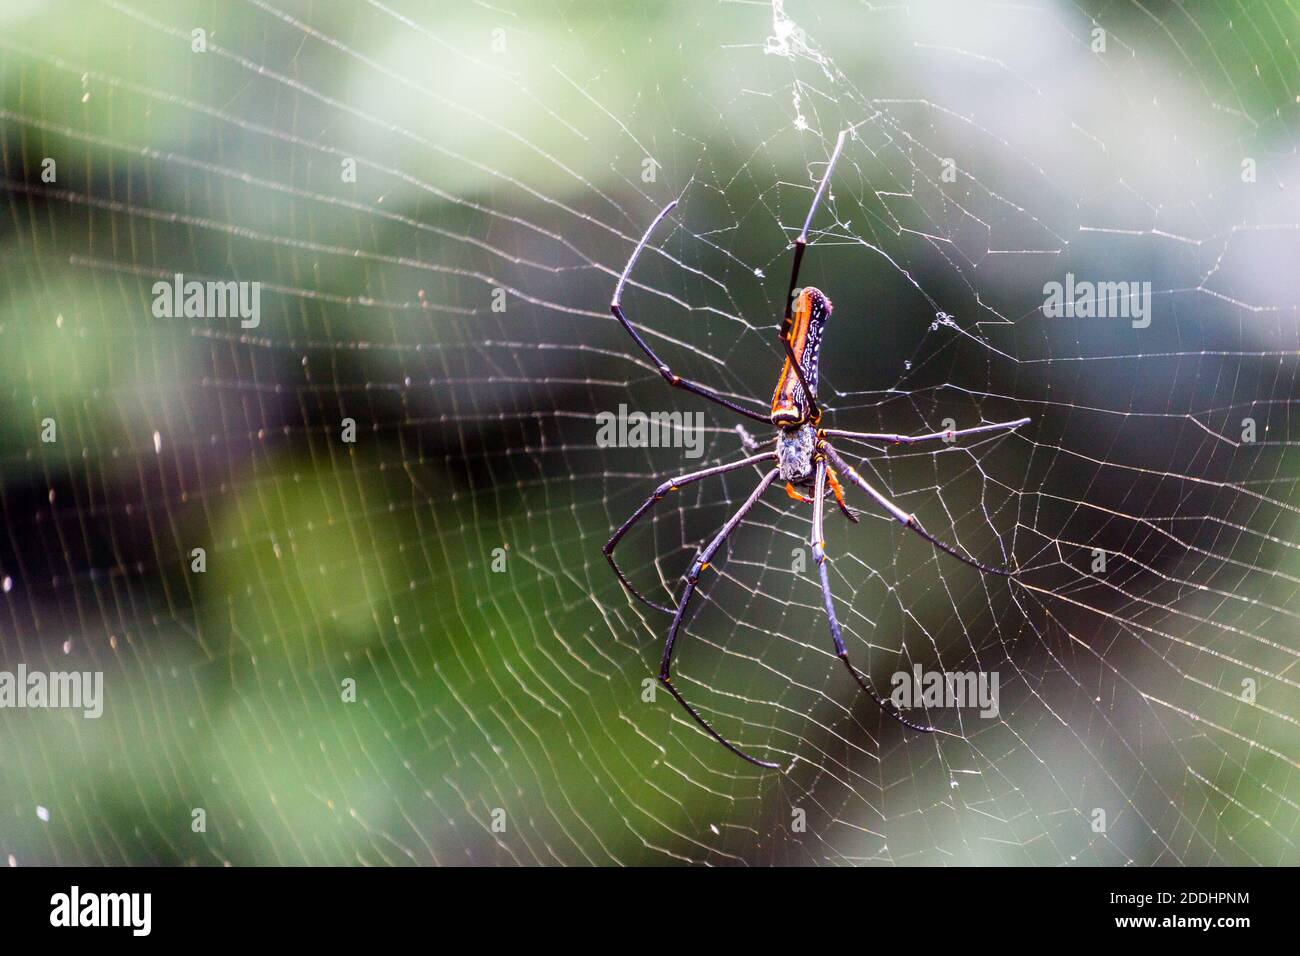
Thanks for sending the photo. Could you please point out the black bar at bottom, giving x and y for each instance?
(867, 907)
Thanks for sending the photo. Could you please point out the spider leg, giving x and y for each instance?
(839, 496)
(898, 514)
(796, 495)
(819, 555)
(748, 441)
(800, 244)
(702, 562)
(668, 375)
(653, 500)
(913, 439)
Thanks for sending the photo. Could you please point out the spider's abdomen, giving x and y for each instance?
(794, 453)
(808, 317)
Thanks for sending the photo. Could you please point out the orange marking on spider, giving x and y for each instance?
(789, 490)
(835, 487)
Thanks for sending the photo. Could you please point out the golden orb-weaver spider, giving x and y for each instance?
(804, 457)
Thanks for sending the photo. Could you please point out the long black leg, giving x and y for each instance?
(653, 500)
(819, 555)
(914, 439)
(800, 244)
(702, 562)
(898, 514)
(668, 375)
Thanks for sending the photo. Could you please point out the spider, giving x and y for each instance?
(803, 454)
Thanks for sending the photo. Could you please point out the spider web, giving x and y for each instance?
(510, 156)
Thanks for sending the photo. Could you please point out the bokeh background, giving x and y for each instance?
(511, 155)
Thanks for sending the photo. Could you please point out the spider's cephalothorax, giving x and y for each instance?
(804, 455)
(790, 406)
(794, 453)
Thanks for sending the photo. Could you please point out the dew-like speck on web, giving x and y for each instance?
(759, 273)
(8, 584)
(43, 814)
(157, 443)
(952, 783)
(13, 860)
(908, 365)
